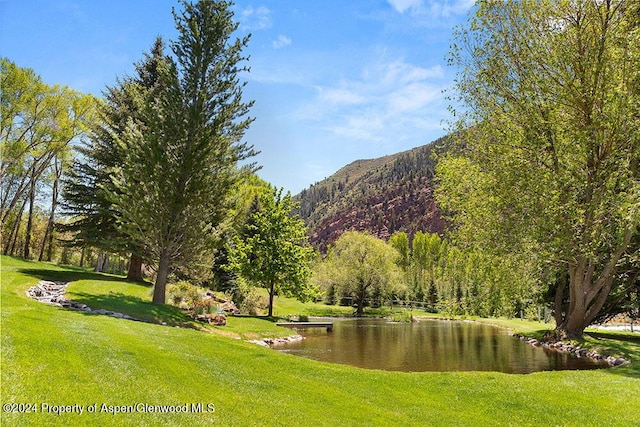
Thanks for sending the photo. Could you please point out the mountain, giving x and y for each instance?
(384, 195)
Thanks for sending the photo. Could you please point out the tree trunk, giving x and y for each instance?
(360, 309)
(561, 285)
(27, 238)
(135, 268)
(98, 262)
(161, 278)
(271, 292)
(82, 257)
(134, 271)
(362, 294)
(11, 241)
(48, 235)
(14, 242)
(102, 263)
(586, 295)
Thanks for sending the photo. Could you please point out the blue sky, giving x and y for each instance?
(333, 80)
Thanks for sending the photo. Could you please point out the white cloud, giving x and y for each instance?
(447, 8)
(340, 95)
(400, 71)
(432, 9)
(258, 18)
(402, 5)
(389, 101)
(413, 97)
(281, 42)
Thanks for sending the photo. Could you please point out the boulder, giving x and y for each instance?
(212, 319)
(229, 307)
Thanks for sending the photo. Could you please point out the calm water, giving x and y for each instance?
(429, 345)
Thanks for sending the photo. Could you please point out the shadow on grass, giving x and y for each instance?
(71, 275)
(618, 345)
(272, 319)
(135, 307)
(614, 336)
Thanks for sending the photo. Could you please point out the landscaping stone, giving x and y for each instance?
(212, 319)
(576, 351)
(53, 293)
(267, 342)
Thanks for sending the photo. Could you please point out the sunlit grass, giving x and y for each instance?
(58, 356)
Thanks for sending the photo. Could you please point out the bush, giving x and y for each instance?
(247, 298)
(185, 296)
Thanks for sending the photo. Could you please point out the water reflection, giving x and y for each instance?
(430, 345)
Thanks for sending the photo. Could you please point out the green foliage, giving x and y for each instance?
(94, 220)
(184, 295)
(272, 250)
(247, 298)
(400, 242)
(361, 267)
(439, 277)
(181, 152)
(546, 164)
(39, 126)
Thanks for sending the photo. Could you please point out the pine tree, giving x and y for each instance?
(180, 156)
(89, 181)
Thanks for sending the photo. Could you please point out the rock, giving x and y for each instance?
(619, 362)
(212, 319)
(229, 307)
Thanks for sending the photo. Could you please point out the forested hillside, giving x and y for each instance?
(384, 195)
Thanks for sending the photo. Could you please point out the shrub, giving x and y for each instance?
(185, 295)
(247, 298)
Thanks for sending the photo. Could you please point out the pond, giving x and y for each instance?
(429, 345)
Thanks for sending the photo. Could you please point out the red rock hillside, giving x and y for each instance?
(383, 196)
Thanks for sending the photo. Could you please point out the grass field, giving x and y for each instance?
(118, 372)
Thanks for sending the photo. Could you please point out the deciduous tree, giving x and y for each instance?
(272, 250)
(39, 124)
(360, 265)
(548, 158)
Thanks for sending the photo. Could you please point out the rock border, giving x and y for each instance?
(52, 293)
(576, 351)
(268, 342)
(49, 292)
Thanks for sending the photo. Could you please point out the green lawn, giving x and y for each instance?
(53, 356)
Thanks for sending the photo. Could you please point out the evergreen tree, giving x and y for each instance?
(180, 154)
(88, 184)
(433, 295)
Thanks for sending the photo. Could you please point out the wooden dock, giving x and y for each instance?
(304, 325)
